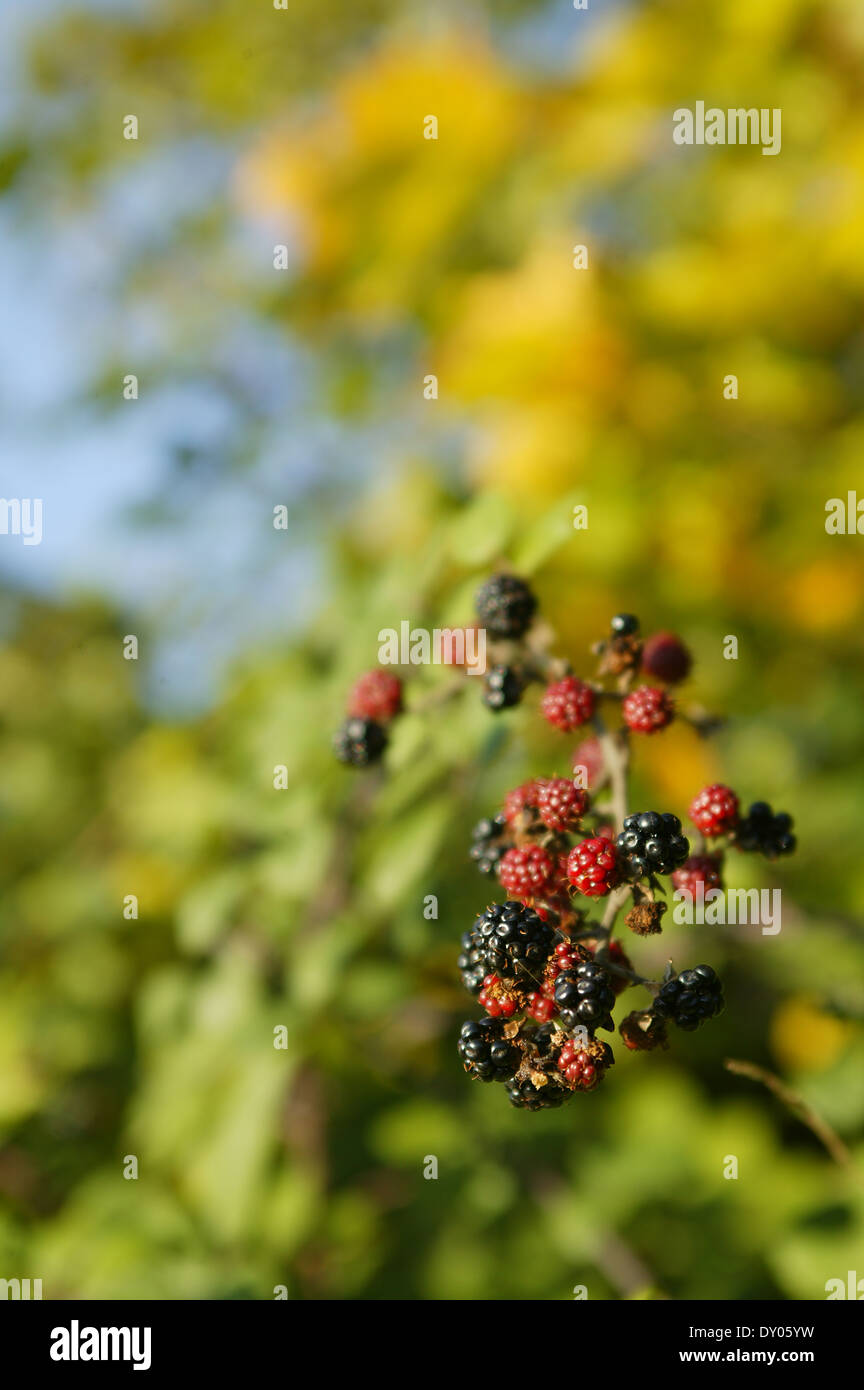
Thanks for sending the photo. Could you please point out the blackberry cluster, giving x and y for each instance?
(765, 832)
(506, 606)
(486, 1053)
(513, 941)
(359, 742)
(584, 996)
(488, 843)
(651, 843)
(690, 998)
(503, 688)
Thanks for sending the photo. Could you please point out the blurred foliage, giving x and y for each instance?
(303, 908)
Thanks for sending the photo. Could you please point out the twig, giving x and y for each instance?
(799, 1106)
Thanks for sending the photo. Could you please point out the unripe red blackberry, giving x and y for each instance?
(584, 1066)
(651, 843)
(647, 710)
(526, 872)
(665, 656)
(522, 798)
(699, 868)
(514, 941)
(585, 996)
(503, 688)
(486, 1053)
(568, 703)
(715, 810)
(593, 867)
(376, 695)
(561, 803)
(541, 1007)
(506, 606)
(500, 999)
(359, 742)
(690, 998)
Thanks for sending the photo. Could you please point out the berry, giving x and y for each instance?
(699, 868)
(514, 942)
(521, 798)
(665, 656)
(588, 756)
(503, 688)
(526, 1096)
(652, 843)
(561, 803)
(592, 867)
(498, 999)
(488, 843)
(525, 873)
(690, 998)
(585, 996)
(471, 964)
(359, 742)
(485, 1052)
(624, 625)
(568, 703)
(715, 810)
(615, 955)
(376, 695)
(505, 605)
(541, 1007)
(766, 832)
(647, 710)
(583, 1067)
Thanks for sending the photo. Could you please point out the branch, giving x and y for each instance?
(799, 1107)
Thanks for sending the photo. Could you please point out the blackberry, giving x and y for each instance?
(376, 695)
(359, 742)
(690, 998)
(624, 624)
(488, 843)
(526, 1096)
(505, 605)
(647, 709)
(503, 688)
(766, 832)
(585, 996)
(527, 872)
(715, 810)
(471, 964)
(651, 843)
(486, 1053)
(665, 656)
(514, 941)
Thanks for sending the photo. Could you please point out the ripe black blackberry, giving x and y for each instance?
(486, 1053)
(359, 742)
(764, 831)
(503, 688)
(489, 841)
(585, 996)
(526, 1096)
(651, 843)
(505, 605)
(690, 998)
(471, 964)
(515, 943)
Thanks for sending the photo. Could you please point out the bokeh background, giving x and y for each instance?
(304, 387)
